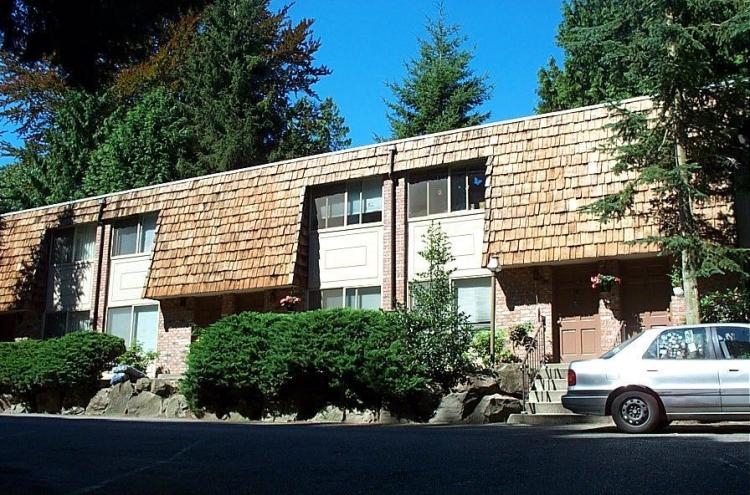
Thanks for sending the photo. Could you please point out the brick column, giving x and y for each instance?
(677, 313)
(402, 242)
(175, 333)
(101, 284)
(387, 288)
(228, 304)
(610, 309)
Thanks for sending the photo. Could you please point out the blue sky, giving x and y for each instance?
(366, 44)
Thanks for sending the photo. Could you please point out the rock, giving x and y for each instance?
(235, 417)
(119, 396)
(5, 402)
(142, 384)
(478, 385)
(494, 409)
(98, 403)
(73, 411)
(144, 405)
(19, 409)
(176, 406)
(451, 408)
(279, 418)
(510, 379)
(330, 414)
(162, 388)
(48, 401)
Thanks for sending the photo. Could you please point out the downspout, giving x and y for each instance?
(100, 227)
(392, 155)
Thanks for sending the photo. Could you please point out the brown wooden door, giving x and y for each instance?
(646, 294)
(577, 316)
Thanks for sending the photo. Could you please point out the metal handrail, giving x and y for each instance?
(535, 358)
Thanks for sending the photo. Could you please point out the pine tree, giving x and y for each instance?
(440, 92)
(437, 332)
(690, 151)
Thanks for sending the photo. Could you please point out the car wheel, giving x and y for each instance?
(636, 412)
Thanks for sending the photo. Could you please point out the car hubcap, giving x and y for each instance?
(634, 411)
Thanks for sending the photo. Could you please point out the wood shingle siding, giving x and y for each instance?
(241, 230)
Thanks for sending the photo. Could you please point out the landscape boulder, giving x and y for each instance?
(494, 408)
(145, 404)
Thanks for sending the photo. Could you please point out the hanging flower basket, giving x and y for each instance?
(289, 302)
(604, 282)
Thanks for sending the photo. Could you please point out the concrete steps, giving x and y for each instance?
(544, 404)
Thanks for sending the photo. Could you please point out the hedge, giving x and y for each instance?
(257, 363)
(66, 364)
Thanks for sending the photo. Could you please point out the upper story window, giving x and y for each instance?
(348, 204)
(134, 235)
(457, 189)
(73, 244)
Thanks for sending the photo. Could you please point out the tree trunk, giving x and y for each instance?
(690, 287)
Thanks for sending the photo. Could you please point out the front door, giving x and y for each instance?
(577, 315)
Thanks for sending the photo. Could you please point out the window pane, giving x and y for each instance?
(369, 298)
(78, 321)
(438, 196)
(687, 343)
(418, 199)
(148, 229)
(118, 323)
(85, 239)
(62, 247)
(331, 298)
(372, 197)
(476, 190)
(336, 210)
(54, 325)
(734, 342)
(146, 323)
(320, 213)
(458, 191)
(354, 202)
(126, 237)
(473, 297)
(351, 298)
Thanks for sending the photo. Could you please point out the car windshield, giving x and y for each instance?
(615, 350)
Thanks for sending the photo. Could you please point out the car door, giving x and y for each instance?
(680, 366)
(734, 373)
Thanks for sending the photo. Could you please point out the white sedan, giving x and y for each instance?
(699, 372)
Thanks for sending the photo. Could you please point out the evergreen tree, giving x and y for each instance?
(437, 332)
(440, 92)
(691, 150)
(602, 40)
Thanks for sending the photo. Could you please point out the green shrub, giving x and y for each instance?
(522, 336)
(66, 364)
(136, 357)
(270, 362)
(726, 306)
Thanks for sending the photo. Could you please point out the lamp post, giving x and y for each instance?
(493, 265)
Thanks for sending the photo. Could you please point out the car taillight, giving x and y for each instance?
(571, 377)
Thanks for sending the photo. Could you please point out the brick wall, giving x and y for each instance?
(387, 288)
(401, 242)
(174, 334)
(524, 295)
(101, 287)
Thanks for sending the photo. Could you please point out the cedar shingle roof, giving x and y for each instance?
(240, 230)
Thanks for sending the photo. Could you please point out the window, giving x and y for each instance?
(683, 343)
(134, 235)
(473, 296)
(734, 342)
(355, 298)
(134, 324)
(74, 244)
(456, 190)
(64, 322)
(348, 204)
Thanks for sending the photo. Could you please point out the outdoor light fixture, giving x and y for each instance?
(493, 265)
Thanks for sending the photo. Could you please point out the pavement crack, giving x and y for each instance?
(141, 469)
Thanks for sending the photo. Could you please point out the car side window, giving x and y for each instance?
(734, 342)
(682, 343)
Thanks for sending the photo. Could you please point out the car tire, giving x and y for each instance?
(636, 412)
